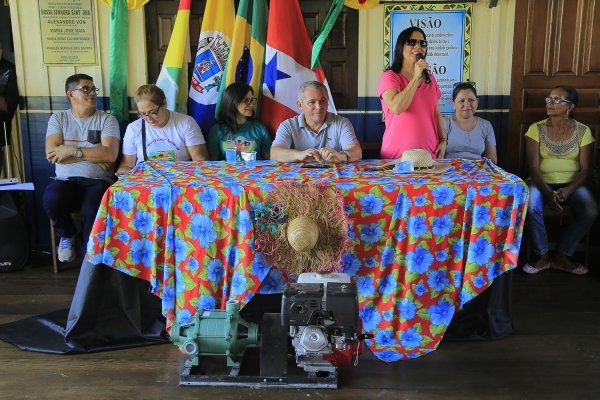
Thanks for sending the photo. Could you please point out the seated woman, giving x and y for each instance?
(468, 135)
(559, 153)
(160, 134)
(235, 128)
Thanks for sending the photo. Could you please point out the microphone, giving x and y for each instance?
(425, 73)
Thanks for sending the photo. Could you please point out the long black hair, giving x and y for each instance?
(399, 48)
(234, 94)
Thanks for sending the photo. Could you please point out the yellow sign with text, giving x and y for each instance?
(68, 32)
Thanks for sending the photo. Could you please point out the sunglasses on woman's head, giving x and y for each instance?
(469, 83)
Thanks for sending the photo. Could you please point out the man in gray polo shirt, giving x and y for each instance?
(83, 144)
(315, 134)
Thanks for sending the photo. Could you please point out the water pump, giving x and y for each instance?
(216, 333)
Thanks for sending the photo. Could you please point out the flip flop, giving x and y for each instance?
(530, 269)
(578, 270)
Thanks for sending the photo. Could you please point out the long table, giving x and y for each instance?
(421, 245)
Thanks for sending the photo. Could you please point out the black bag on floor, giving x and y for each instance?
(14, 243)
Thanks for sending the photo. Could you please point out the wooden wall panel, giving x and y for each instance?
(337, 74)
(312, 22)
(591, 49)
(337, 38)
(566, 42)
(538, 31)
(165, 27)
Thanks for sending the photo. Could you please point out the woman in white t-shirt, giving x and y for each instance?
(160, 134)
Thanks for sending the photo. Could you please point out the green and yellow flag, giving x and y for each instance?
(247, 55)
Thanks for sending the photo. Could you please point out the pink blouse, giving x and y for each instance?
(416, 127)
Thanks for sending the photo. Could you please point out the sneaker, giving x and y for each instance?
(66, 252)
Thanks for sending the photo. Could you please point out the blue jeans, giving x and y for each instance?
(61, 198)
(584, 209)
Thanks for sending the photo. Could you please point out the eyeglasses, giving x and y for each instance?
(150, 114)
(413, 42)
(468, 83)
(557, 100)
(88, 90)
(249, 101)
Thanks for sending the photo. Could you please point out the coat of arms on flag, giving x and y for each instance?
(210, 62)
(214, 45)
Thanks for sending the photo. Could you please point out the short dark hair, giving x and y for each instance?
(74, 80)
(234, 94)
(463, 86)
(570, 92)
(399, 47)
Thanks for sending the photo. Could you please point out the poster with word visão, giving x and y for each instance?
(68, 32)
(448, 31)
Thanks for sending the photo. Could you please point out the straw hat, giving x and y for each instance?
(302, 227)
(302, 233)
(422, 161)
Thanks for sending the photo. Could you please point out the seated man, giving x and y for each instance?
(83, 143)
(315, 134)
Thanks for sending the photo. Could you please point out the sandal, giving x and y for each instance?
(578, 270)
(530, 269)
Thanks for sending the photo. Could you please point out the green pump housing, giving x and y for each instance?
(216, 333)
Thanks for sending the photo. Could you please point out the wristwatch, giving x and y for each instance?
(78, 153)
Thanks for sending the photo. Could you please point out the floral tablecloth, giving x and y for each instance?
(421, 245)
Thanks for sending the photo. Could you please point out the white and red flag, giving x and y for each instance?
(287, 64)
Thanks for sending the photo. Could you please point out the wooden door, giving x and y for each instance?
(160, 19)
(555, 43)
(339, 55)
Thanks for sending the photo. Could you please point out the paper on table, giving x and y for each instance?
(17, 186)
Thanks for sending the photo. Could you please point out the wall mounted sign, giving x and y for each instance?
(68, 29)
(448, 31)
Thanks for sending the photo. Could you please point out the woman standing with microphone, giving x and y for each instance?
(410, 104)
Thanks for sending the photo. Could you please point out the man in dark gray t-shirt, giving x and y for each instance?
(83, 144)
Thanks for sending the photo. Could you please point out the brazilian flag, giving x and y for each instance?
(247, 55)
